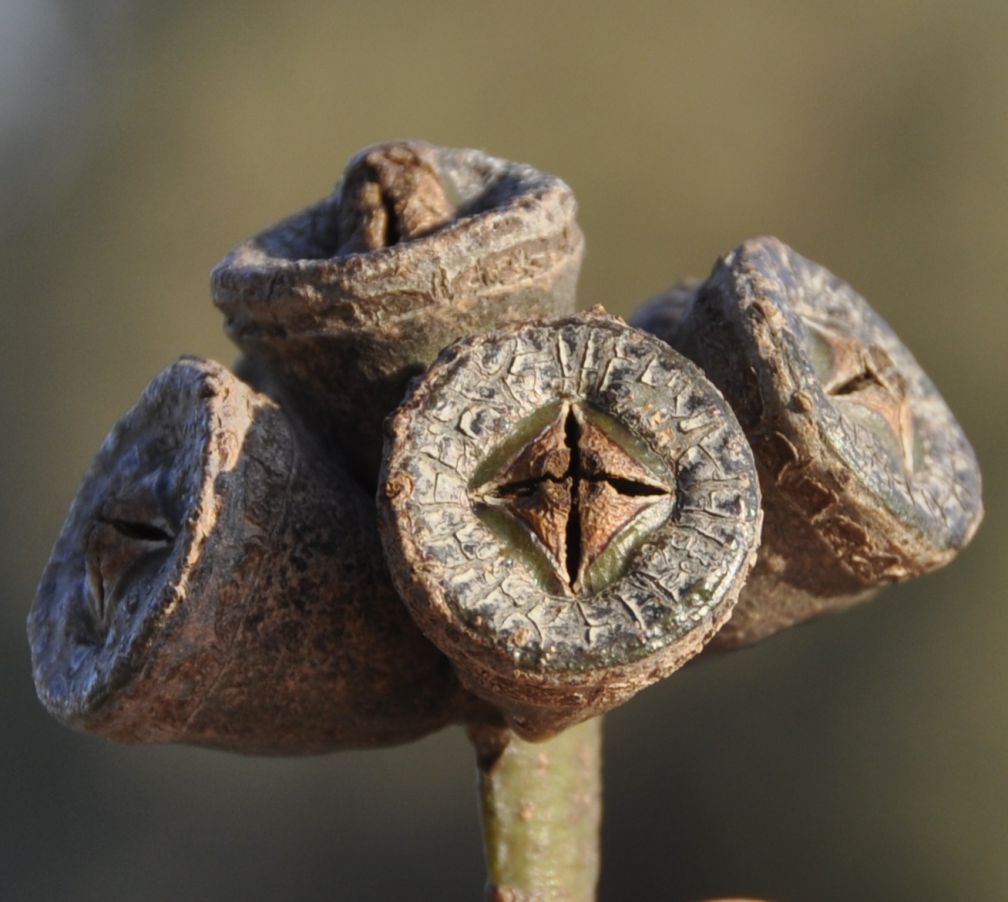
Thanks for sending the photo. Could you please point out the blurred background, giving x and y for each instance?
(861, 757)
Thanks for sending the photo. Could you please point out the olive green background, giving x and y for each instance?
(861, 757)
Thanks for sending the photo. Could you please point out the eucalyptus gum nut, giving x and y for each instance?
(216, 582)
(867, 477)
(472, 242)
(569, 509)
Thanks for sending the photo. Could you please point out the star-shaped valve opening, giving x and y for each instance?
(867, 385)
(582, 492)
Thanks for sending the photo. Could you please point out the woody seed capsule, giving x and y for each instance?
(867, 478)
(216, 583)
(418, 245)
(569, 510)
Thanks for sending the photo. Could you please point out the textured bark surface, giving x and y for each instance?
(487, 592)
(418, 246)
(217, 583)
(541, 810)
(867, 477)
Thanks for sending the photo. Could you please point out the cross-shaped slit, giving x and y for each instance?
(574, 488)
(116, 546)
(864, 379)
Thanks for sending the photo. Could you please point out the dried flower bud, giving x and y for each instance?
(569, 509)
(216, 583)
(418, 246)
(867, 477)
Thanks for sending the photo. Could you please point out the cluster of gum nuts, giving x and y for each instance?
(432, 493)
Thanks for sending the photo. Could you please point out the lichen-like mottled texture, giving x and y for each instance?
(216, 583)
(552, 658)
(346, 330)
(867, 477)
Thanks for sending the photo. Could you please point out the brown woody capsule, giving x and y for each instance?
(419, 245)
(867, 477)
(569, 509)
(215, 583)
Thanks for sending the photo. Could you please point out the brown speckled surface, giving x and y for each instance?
(259, 619)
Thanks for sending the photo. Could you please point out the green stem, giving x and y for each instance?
(541, 804)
